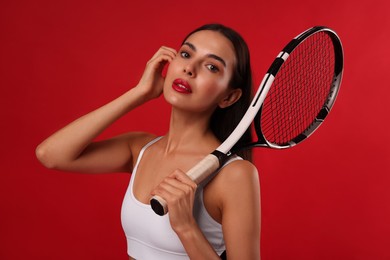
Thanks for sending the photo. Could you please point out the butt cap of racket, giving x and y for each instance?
(159, 205)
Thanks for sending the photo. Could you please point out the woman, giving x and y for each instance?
(208, 84)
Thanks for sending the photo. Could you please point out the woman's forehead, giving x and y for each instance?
(212, 42)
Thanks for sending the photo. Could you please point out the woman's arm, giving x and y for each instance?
(239, 192)
(72, 147)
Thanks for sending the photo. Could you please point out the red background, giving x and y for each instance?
(328, 198)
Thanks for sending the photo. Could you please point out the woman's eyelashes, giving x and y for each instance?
(185, 54)
(210, 66)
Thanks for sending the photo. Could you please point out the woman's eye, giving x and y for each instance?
(212, 68)
(185, 54)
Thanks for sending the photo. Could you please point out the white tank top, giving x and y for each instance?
(150, 236)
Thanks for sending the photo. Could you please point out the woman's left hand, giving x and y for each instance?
(178, 190)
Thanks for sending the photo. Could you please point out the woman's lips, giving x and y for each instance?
(181, 86)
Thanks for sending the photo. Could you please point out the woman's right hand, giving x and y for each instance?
(152, 80)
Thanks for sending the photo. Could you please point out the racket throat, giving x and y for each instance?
(222, 158)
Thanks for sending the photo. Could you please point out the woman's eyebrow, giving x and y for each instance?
(213, 56)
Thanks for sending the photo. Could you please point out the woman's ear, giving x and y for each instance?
(231, 98)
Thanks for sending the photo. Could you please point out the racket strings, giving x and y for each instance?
(299, 91)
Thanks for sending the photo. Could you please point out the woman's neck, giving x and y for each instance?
(189, 130)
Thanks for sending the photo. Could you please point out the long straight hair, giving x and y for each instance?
(224, 120)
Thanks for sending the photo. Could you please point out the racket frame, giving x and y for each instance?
(271, 75)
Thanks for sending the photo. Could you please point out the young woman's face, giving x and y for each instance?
(198, 78)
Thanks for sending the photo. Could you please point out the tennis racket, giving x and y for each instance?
(293, 99)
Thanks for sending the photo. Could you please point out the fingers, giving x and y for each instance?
(169, 52)
(184, 178)
(163, 55)
(176, 187)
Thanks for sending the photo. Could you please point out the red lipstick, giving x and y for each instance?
(181, 86)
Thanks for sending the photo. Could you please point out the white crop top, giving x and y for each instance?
(150, 236)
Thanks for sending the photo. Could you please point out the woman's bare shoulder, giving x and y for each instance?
(238, 171)
(137, 140)
(237, 180)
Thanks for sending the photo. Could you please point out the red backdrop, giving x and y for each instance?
(328, 198)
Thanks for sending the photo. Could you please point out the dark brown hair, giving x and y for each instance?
(223, 121)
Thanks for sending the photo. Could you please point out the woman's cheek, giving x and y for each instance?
(214, 88)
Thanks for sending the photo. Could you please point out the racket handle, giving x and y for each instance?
(198, 173)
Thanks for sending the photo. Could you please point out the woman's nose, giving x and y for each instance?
(189, 70)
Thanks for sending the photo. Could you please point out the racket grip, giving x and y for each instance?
(198, 173)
